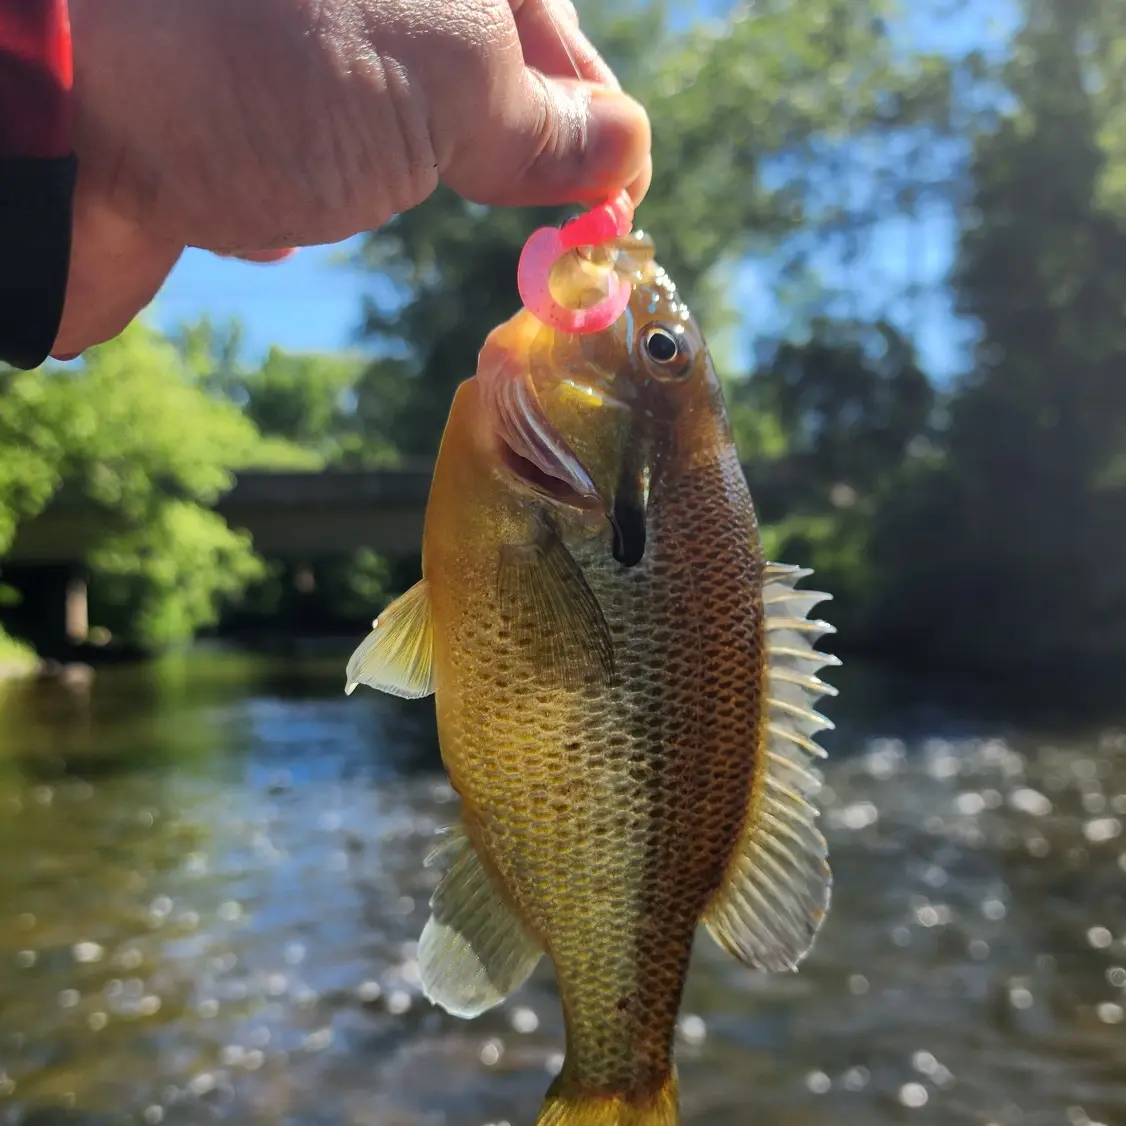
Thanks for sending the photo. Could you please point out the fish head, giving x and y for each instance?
(587, 421)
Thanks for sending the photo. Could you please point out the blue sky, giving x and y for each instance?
(308, 303)
(312, 302)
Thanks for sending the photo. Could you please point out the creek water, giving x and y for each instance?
(211, 887)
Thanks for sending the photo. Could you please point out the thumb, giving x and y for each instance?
(561, 141)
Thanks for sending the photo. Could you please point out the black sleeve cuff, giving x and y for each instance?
(36, 210)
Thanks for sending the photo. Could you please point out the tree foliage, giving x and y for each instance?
(853, 409)
(319, 403)
(132, 430)
(1008, 552)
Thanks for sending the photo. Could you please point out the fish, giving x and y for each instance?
(624, 685)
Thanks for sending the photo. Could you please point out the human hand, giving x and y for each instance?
(253, 127)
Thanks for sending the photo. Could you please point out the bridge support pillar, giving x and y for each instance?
(51, 613)
(77, 610)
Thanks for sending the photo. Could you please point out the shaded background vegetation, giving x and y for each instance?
(972, 521)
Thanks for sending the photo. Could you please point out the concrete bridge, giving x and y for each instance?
(305, 516)
(289, 515)
(298, 517)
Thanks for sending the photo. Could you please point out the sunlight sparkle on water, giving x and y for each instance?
(524, 1020)
(818, 1082)
(981, 890)
(1099, 937)
(398, 1001)
(913, 1095)
(490, 1052)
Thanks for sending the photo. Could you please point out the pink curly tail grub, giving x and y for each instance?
(547, 245)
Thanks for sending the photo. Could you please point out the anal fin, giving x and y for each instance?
(474, 951)
(398, 655)
(779, 884)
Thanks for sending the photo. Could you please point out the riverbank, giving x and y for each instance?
(16, 659)
(19, 662)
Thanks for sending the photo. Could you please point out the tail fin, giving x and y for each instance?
(567, 1105)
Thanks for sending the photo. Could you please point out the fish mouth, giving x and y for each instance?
(529, 446)
(547, 485)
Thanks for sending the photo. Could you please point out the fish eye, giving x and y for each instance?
(661, 345)
(667, 352)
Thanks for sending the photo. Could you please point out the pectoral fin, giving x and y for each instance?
(474, 951)
(397, 656)
(779, 884)
(553, 613)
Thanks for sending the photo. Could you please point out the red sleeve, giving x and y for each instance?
(37, 176)
(36, 76)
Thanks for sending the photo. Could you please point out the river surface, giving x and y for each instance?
(211, 887)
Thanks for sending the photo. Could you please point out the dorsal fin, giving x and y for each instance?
(779, 885)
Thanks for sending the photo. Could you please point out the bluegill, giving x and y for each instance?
(624, 685)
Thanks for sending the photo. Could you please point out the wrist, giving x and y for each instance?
(36, 79)
(37, 173)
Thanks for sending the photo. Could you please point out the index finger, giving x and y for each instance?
(554, 44)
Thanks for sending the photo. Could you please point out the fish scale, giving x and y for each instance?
(630, 732)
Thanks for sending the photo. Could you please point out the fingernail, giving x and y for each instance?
(639, 187)
(261, 257)
(267, 257)
(619, 137)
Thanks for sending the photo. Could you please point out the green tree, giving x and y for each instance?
(1008, 553)
(132, 430)
(852, 399)
(305, 398)
(336, 406)
(855, 409)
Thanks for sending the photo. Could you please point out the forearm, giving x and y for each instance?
(37, 172)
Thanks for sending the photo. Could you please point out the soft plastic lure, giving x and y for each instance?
(545, 246)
